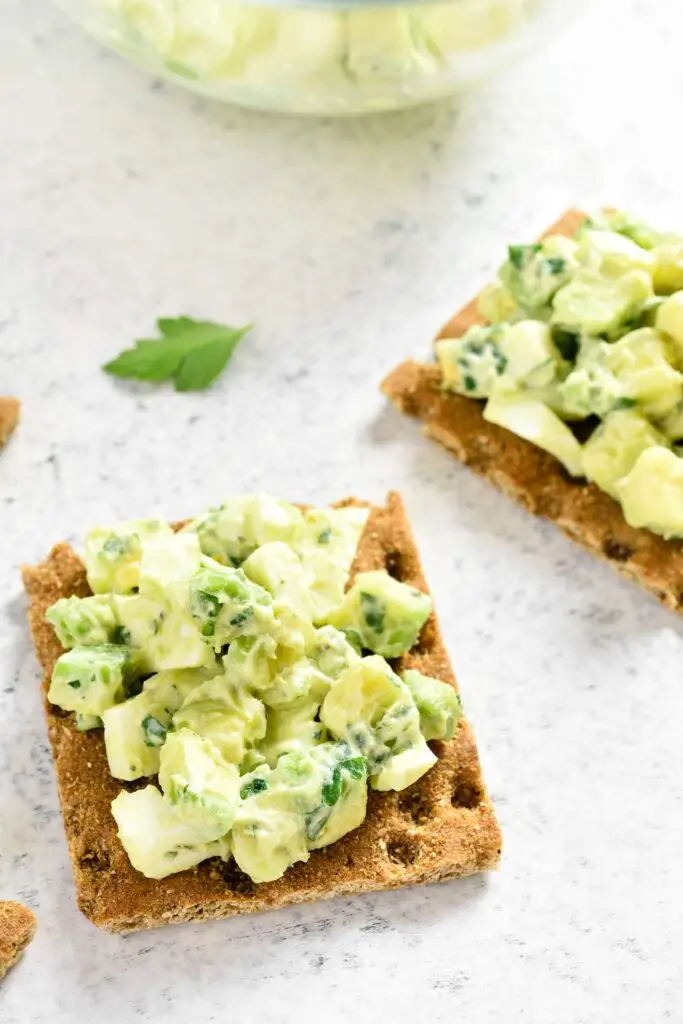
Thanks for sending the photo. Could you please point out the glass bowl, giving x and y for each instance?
(322, 56)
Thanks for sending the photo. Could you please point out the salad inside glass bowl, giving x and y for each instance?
(323, 58)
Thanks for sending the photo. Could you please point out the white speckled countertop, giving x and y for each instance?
(349, 242)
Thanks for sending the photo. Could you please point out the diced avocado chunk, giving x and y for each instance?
(497, 305)
(203, 788)
(614, 448)
(133, 749)
(226, 714)
(278, 569)
(135, 730)
(634, 370)
(269, 832)
(226, 604)
(82, 620)
(139, 619)
(522, 354)
(292, 728)
(232, 531)
(372, 710)
(309, 800)
(592, 389)
(362, 695)
(252, 661)
(387, 615)
(671, 426)
(336, 531)
(299, 679)
(344, 794)
(437, 703)
(360, 698)
(178, 644)
(535, 422)
(640, 362)
(293, 632)
(268, 838)
(617, 220)
(651, 495)
(612, 253)
(669, 320)
(534, 273)
(532, 358)
(113, 553)
(472, 363)
(405, 768)
(256, 662)
(165, 560)
(157, 840)
(596, 304)
(91, 679)
(169, 637)
(331, 652)
(327, 554)
(668, 269)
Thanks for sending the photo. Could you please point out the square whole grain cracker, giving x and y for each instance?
(9, 417)
(17, 928)
(530, 476)
(441, 827)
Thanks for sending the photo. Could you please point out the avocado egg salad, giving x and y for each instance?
(311, 50)
(229, 662)
(582, 356)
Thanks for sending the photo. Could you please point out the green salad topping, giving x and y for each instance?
(217, 660)
(582, 356)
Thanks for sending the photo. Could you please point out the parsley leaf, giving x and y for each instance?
(191, 353)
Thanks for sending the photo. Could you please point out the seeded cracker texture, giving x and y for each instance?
(9, 417)
(530, 476)
(441, 827)
(17, 928)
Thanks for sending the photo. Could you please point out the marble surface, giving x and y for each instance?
(349, 242)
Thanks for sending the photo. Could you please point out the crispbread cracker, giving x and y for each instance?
(9, 417)
(441, 827)
(530, 476)
(17, 928)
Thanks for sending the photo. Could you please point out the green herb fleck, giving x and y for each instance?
(332, 790)
(567, 342)
(355, 639)
(556, 264)
(470, 383)
(191, 353)
(625, 403)
(154, 731)
(355, 766)
(242, 617)
(257, 785)
(373, 610)
(208, 607)
(519, 254)
(75, 684)
(121, 635)
(324, 537)
(116, 547)
(177, 68)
